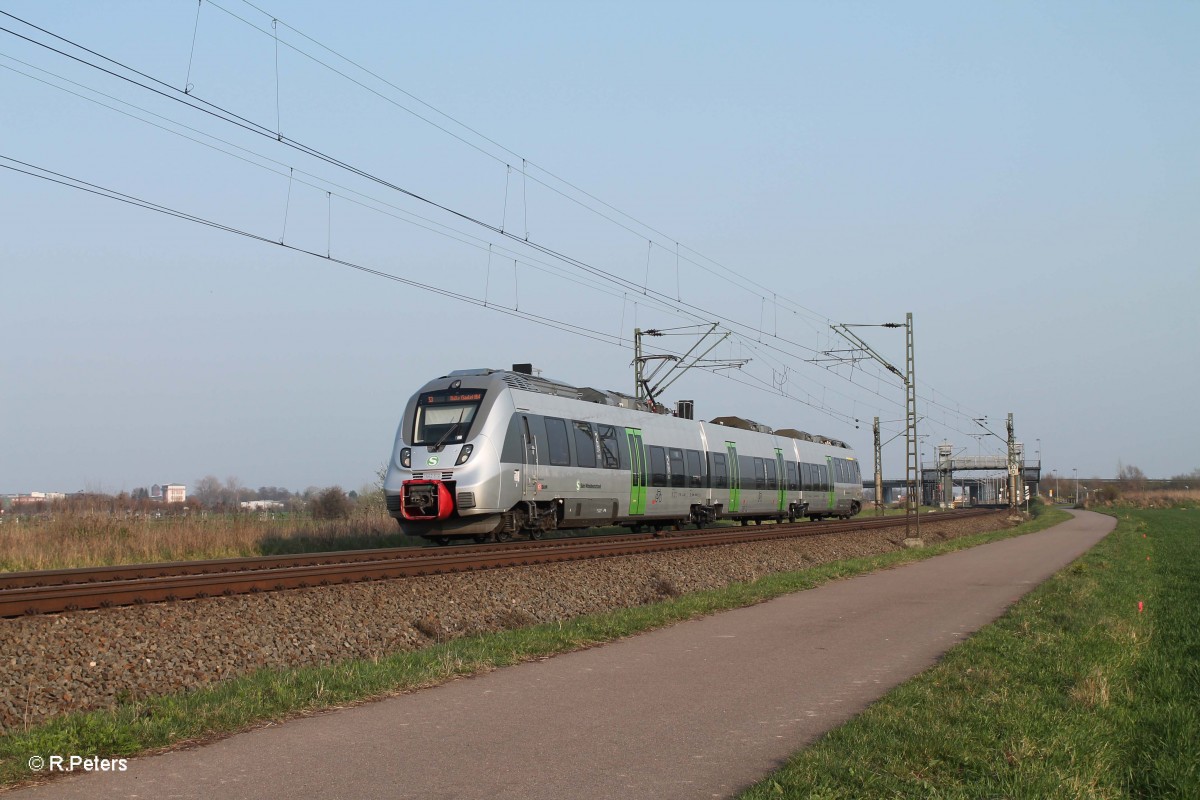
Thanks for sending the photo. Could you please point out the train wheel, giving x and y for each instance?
(503, 536)
(481, 538)
(536, 534)
(441, 541)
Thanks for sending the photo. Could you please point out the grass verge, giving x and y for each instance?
(1074, 693)
(269, 695)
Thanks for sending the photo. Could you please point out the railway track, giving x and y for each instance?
(53, 591)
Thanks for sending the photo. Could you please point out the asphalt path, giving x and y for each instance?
(701, 709)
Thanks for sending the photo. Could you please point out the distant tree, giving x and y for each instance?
(141, 493)
(370, 498)
(234, 492)
(1129, 473)
(209, 491)
(273, 493)
(331, 503)
(1131, 478)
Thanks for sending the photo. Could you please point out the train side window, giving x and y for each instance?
(678, 478)
(771, 483)
(843, 471)
(556, 442)
(857, 472)
(823, 478)
(515, 440)
(658, 465)
(810, 477)
(760, 474)
(695, 469)
(720, 473)
(792, 485)
(585, 445)
(610, 452)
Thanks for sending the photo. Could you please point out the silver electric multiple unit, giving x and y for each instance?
(494, 453)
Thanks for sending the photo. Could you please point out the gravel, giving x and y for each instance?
(55, 664)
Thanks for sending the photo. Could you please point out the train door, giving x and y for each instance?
(735, 478)
(780, 481)
(832, 483)
(637, 471)
(531, 466)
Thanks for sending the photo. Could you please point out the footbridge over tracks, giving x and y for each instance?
(944, 479)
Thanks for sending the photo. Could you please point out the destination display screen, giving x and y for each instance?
(459, 397)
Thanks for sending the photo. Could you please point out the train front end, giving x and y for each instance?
(443, 481)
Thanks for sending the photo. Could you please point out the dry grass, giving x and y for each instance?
(1092, 691)
(1158, 498)
(93, 538)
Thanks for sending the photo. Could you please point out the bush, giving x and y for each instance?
(331, 503)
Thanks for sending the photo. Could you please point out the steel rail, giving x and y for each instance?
(77, 575)
(255, 578)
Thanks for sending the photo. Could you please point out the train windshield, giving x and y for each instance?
(445, 417)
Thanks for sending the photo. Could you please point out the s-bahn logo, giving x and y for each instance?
(433, 461)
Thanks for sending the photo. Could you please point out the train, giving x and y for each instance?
(492, 454)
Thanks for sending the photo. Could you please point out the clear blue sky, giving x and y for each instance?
(1023, 177)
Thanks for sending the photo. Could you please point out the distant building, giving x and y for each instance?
(36, 497)
(260, 505)
(168, 492)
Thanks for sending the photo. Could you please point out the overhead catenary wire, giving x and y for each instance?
(737, 278)
(79, 184)
(218, 112)
(51, 176)
(229, 117)
(244, 123)
(525, 162)
(401, 215)
(290, 175)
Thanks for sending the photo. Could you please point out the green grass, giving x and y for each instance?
(240, 703)
(1072, 694)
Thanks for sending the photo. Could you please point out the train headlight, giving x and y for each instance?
(464, 454)
(406, 456)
